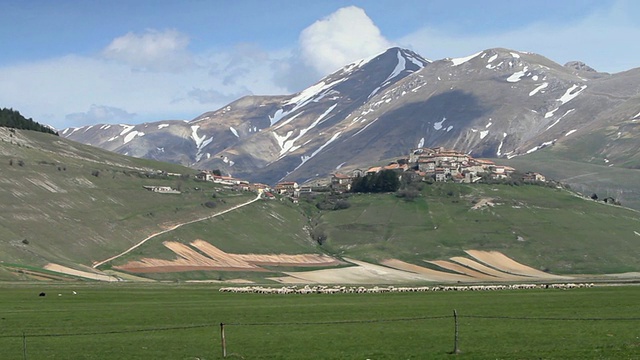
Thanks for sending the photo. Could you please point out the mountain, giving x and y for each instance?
(495, 103)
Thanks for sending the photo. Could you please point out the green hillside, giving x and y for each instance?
(548, 229)
(587, 178)
(75, 205)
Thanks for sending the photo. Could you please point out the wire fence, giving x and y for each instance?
(455, 316)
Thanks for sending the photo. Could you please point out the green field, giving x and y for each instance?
(163, 321)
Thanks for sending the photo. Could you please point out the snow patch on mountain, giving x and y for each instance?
(637, 116)
(303, 98)
(234, 131)
(194, 135)
(126, 129)
(415, 61)
(560, 118)
(438, 125)
(569, 95)
(462, 60)
(105, 126)
(130, 136)
(288, 145)
(307, 158)
(537, 89)
(160, 126)
(515, 55)
(288, 120)
(491, 59)
(421, 143)
(400, 67)
(570, 132)
(281, 140)
(499, 152)
(365, 127)
(484, 133)
(515, 77)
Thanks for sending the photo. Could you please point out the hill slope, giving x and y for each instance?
(75, 205)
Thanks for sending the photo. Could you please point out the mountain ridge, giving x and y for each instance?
(494, 103)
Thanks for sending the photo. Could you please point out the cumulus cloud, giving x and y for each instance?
(152, 50)
(100, 114)
(343, 37)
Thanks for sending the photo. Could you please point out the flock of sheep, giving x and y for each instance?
(321, 289)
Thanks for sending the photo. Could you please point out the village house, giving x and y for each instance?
(533, 177)
(256, 187)
(204, 176)
(290, 188)
(357, 173)
(341, 182)
(373, 170)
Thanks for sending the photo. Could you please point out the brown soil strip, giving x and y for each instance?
(78, 273)
(463, 270)
(223, 259)
(214, 259)
(503, 263)
(432, 275)
(487, 270)
(363, 273)
(181, 268)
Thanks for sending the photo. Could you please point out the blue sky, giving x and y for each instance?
(71, 63)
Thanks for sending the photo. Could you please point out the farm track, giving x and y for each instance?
(97, 264)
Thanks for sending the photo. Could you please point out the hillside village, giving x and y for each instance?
(422, 164)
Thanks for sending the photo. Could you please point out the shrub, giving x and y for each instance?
(319, 235)
(342, 204)
(408, 194)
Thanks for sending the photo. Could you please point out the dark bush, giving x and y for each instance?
(342, 204)
(319, 235)
(210, 204)
(408, 194)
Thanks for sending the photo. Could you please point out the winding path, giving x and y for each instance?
(95, 265)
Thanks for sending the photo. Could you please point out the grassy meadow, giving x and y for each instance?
(548, 229)
(165, 321)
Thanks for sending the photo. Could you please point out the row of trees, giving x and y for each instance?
(384, 181)
(13, 119)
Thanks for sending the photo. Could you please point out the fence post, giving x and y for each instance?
(224, 345)
(24, 346)
(456, 349)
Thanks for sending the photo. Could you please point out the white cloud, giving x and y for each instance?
(152, 51)
(59, 91)
(100, 114)
(343, 37)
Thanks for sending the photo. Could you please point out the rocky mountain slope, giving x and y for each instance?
(495, 103)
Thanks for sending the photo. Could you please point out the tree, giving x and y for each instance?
(384, 181)
(13, 119)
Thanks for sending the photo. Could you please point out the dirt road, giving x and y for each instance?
(95, 265)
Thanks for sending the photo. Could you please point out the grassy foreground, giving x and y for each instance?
(162, 321)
